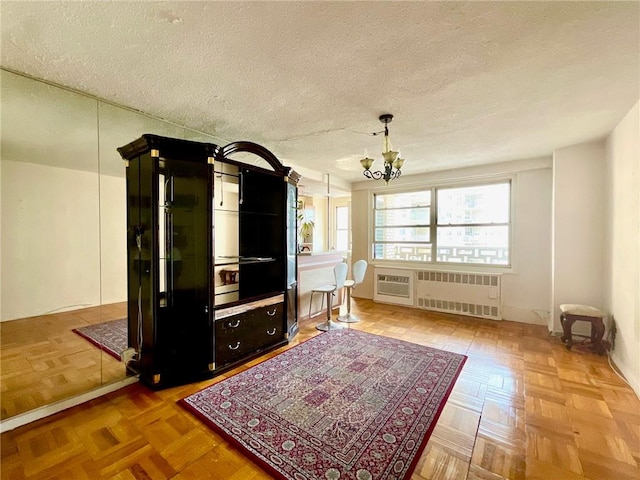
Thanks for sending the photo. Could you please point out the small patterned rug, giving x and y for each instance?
(344, 404)
(108, 336)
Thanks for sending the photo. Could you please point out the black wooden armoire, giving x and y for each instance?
(211, 251)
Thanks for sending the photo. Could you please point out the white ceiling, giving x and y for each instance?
(468, 82)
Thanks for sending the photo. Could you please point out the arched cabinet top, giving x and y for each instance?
(225, 153)
(250, 147)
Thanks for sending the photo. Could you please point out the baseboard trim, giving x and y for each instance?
(623, 368)
(56, 407)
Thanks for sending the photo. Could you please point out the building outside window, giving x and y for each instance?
(468, 224)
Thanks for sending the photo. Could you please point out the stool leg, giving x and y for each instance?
(329, 324)
(567, 322)
(311, 304)
(597, 332)
(348, 317)
(348, 301)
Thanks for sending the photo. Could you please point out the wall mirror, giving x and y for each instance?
(63, 240)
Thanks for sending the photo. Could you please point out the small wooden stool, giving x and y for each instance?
(229, 276)
(572, 313)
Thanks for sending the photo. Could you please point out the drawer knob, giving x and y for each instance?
(271, 332)
(237, 346)
(271, 314)
(234, 324)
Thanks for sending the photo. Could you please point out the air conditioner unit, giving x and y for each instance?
(477, 295)
(393, 286)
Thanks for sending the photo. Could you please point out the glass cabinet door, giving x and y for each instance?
(182, 224)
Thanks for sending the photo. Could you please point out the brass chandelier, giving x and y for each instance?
(392, 161)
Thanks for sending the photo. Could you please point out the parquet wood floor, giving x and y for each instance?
(43, 361)
(522, 408)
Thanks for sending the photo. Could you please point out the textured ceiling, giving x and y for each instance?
(467, 82)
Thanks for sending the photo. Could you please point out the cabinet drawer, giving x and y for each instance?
(231, 350)
(247, 332)
(266, 326)
(231, 327)
(231, 338)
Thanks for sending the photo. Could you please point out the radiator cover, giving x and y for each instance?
(477, 295)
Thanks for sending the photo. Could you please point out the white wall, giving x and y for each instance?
(0, 233)
(63, 254)
(525, 287)
(525, 292)
(622, 238)
(113, 239)
(321, 224)
(54, 263)
(361, 239)
(578, 229)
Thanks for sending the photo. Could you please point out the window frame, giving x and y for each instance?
(336, 228)
(433, 188)
(332, 214)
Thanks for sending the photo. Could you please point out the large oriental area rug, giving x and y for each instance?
(342, 405)
(109, 336)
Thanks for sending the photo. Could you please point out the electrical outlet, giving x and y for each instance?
(127, 354)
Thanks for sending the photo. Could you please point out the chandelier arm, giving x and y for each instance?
(374, 175)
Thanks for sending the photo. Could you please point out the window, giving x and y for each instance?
(402, 226)
(462, 224)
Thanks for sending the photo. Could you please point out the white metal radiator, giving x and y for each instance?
(477, 295)
(394, 286)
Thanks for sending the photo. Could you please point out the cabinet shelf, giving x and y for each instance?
(224, 261)
(234, 211)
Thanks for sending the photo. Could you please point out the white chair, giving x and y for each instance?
(340, 274)
(358, 271)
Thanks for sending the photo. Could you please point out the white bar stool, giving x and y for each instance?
(340, 274)
(358, 271)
